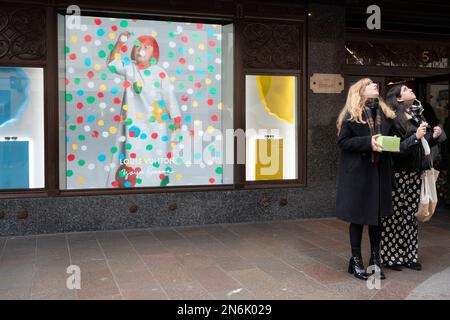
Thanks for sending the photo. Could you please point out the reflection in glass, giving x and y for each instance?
(437, 97)
(437, 113)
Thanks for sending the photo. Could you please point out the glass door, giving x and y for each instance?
(433, 92)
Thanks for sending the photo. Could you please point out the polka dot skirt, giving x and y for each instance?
(399, 232)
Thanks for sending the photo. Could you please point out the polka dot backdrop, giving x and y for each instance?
(102, 136)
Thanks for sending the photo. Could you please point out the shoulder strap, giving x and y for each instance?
(426, 148)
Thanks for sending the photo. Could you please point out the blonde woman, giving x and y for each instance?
(364, 191)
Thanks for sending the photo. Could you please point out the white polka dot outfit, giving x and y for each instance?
(399, 234)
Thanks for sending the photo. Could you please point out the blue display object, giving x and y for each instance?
(5, 106)
(14, 165)
(14, 96)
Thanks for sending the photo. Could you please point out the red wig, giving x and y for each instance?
(150, 41)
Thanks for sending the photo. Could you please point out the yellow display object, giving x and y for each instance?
(277, 94)
(269, 159)
(158, 112)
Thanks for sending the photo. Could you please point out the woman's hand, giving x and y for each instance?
(437, 132)
(123, 37)
(375, 145)
(420, 133)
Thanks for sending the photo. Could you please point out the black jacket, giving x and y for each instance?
(364, 189)
(411, 157)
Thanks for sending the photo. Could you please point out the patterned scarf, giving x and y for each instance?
(374, 126)
(415, 111)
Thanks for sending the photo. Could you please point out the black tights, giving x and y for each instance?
(356, 231)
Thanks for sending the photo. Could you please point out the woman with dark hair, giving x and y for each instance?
(399, 246)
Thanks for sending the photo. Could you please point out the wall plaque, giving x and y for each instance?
(326, 83)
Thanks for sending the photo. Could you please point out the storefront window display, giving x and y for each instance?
(271, 126)
(144, 103)
(21, 128)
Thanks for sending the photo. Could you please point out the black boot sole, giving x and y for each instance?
(357, 276)
(413, 268)
(395, 268)
(382, 275)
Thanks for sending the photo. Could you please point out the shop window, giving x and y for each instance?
(271, 127)
(144, 103)
(437, 98)
(21, 128)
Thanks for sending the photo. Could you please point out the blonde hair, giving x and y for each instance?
(353, 109)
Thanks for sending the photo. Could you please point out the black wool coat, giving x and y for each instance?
(364, 189)
(412, 156)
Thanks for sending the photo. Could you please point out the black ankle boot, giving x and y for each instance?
(413, 265)
(356, 266)
(396, 267)
(375, 260)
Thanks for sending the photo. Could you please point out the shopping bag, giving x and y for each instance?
(428, 195)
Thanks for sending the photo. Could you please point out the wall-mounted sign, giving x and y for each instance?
(326, 83)
(393, 54)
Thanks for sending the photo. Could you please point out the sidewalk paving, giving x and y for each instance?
(295, 259)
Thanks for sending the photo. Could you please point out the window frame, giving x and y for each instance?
(34, 192)
(149, 189)
(300, 181)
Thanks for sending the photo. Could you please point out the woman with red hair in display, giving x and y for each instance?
(148, 105)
